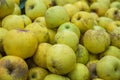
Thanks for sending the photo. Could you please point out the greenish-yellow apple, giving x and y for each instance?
(49, 3)
(95, 16)
(83, 20)
(26, 19)
(71, 9)
(80, 72)
(37, 73)
(97, 27)
(40, 55)
(115, 36)
(55, 77)
(18, 42)
(17, 2)
(96, 41)
(97, 79)
(113, 13)
(6, 7)
(108, 68)
(82, 54)
(41, 21)
(56, 16)
(35, 8)
(40, 32)
(99, 8)
(115, 4)
(107, 2)
(67, 37)
(61, 59)
(82, 5)
(3, 32)
(69, 26)
(17, 10)
(13, 68)
(13, 22)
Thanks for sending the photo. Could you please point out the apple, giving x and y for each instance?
(35, 8)
(100, 38)
(58, 64)
(107, 2)
(22, 43)
(41, 21)
(13, 68)
(115, 36)
(83, 20)
(80, 72)
(26, 19)
(37, 73)
(40, 32)
(0, 22)
(17, 10)
(108, 68)
(0, 55)
(55, 77)
(82, 54)
(115, 4)
(94, 15)
(40, 55)
(17, 2)
(71, 9)
(97, 79)
(49, 3)
(67, 37)
(69, 26)
(6, 7)
(56, 16)
(3, 32)
(13, 22)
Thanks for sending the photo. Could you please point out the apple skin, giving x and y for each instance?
(41, 21)
(35, 8)
(108, 68)
(58, 64)
(37, 73)
(22, 43)
(115, 4)
(13, 68)
(55, 16)
(17, 10)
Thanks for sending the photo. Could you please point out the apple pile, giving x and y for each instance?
(60, 40)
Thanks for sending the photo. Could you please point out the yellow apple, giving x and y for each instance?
(41, 21)
(17, 2)
(40, 54)
(22, 43)
(13, 22)
(97, 79)
(13, 68)
(17, 10)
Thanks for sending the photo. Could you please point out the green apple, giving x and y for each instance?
(55, 77)
(115, 4)
(40, 55)
(61, 59)
(6, 7)
(13, 68)
(113, 13)
(35, 8)
(67, 37)
(80, 72)
(69, 26)
(17, 10)
(13, 22)
(56, 16)
(37, 73)
(115, 36)
(96, 41)
(3, 32)
(22, 43)
(40, 32)
(108, 68)
(82, 54)
(83, 20)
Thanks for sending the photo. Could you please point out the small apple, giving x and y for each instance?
(22, 43)
(6, 7)
(35, 8)
(80, 72)
(40, 32)
(41, 21)
(55, 77)
(108, 68)
(13, 22)
(17, 10)
(58, 64)
(13, 68)
(40, 55)
(115, 4)
(55, 16)
(37, 73)
(67, 37)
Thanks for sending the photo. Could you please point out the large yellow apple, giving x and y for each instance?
(22, 43)
(13, 68)
(13, 22)
(6, 7)
(61, 59)
(40, 55)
